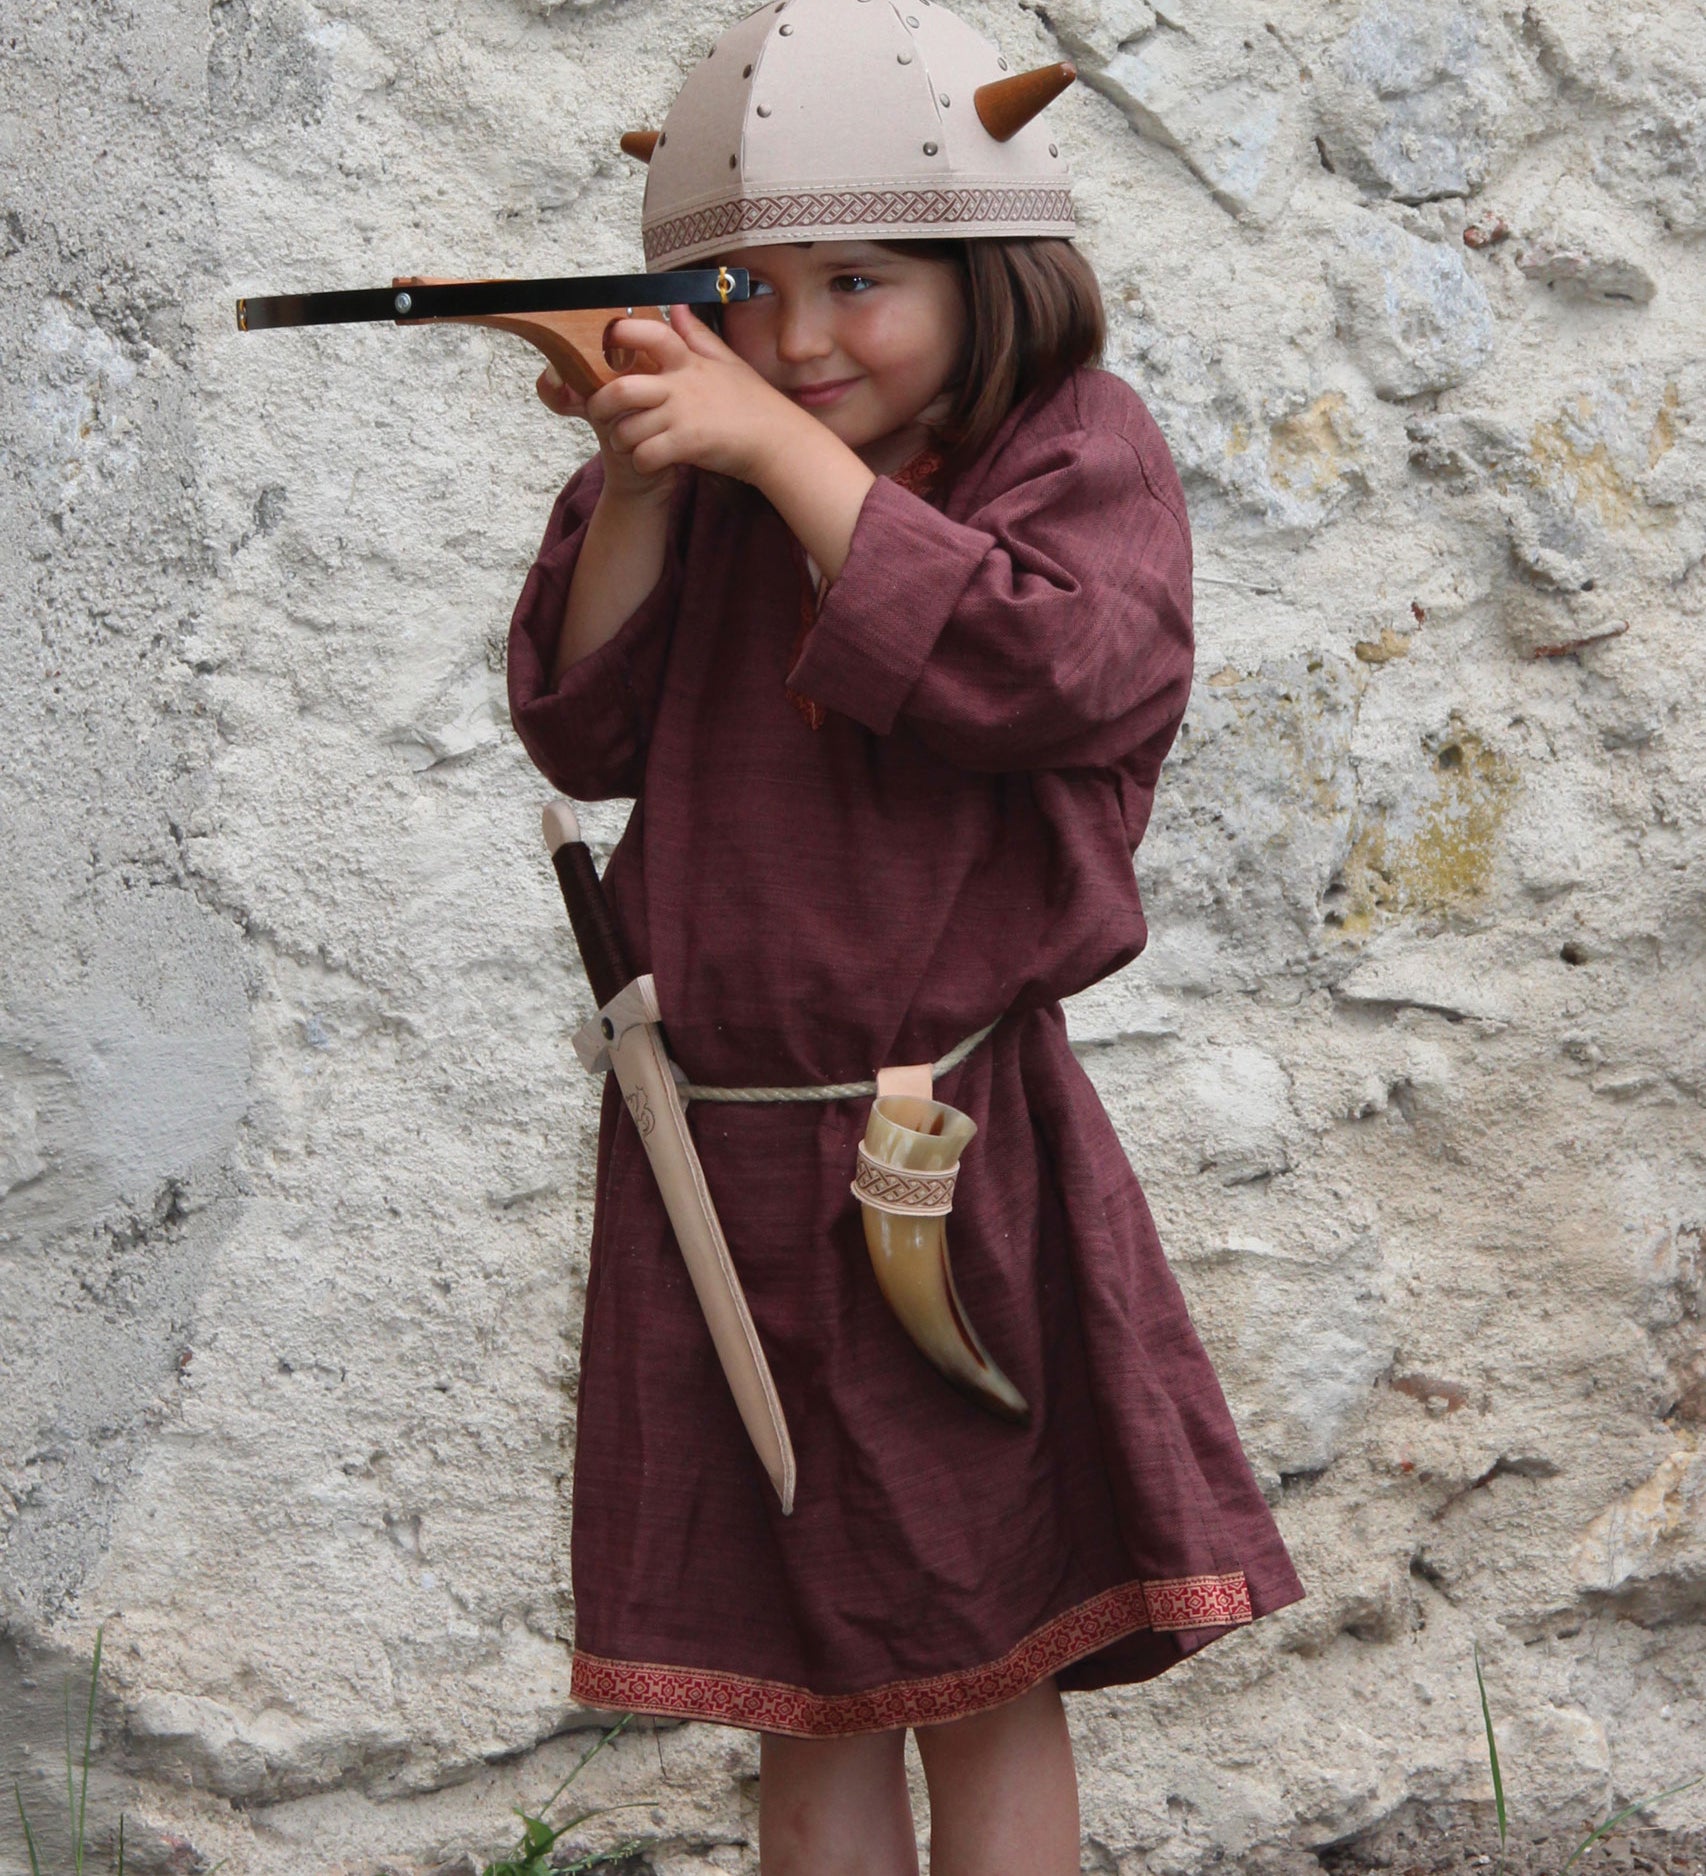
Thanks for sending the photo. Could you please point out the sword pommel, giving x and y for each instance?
(596, 934)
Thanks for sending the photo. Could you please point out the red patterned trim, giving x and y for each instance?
(776, 1707)
(1199, 1602)
(1038, 210)
(918, 475)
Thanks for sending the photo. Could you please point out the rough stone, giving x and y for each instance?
(1582, 268)
(1417, 101)
(1637, 79)
(1271, 460)
(1647, 1553)
(1412, 313)
(1587, 252)
(1210, 79)
(296, 1167)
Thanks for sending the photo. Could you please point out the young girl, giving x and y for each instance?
(878, 604)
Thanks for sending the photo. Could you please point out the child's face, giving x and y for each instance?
(867, 338)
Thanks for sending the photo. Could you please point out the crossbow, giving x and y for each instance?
(565, 318)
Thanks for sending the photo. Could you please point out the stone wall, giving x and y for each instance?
(296, 1164)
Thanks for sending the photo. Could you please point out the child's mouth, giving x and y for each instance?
(817, 396)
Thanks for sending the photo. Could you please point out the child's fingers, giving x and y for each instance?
(557, 396)
(695, 334)
(654, 455)
(657, 341)
(633, 391)
(629, 432)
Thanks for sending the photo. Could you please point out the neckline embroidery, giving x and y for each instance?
(917, 475)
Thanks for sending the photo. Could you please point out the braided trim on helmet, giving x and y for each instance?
(1040, 210)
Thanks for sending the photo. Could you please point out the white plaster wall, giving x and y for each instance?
(295, 1163)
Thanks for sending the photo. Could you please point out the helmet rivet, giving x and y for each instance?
(734, 162)
(944, 100)
(784, 30)
(746, 72)
(1054, 149)
(930, 149)
(903, 58)
(1002, 63)
(764, 110)
(912, 21)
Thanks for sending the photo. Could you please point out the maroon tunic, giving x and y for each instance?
(1000, 678)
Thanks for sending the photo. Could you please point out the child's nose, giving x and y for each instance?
(802, 333)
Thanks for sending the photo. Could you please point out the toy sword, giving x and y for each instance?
(566, 319)
(626, 1038)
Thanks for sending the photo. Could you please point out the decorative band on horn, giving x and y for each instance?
(907, 1194)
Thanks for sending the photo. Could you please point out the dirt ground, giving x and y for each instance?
(1411, 1846)
(1404, 1845)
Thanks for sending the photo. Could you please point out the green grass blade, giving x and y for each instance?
(1628, 1810)
(88, 1740)
(534, 1849)
(1492, 1757)
(605, 1810)
(523, 1858)
(29, 1835)
(70, 1774)
(584, 1761)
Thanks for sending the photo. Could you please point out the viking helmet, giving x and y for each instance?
(842, 120)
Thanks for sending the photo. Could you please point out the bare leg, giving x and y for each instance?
(1003, 1790)
(835, 1807)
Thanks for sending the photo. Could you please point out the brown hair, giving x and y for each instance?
(1034, 316)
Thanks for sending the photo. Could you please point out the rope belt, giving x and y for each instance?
(835, 1090)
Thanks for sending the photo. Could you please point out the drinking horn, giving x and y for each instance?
(905, 1187)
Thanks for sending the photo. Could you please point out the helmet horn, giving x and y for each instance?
(1007, 105)
(640, 143)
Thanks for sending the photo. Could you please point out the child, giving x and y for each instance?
(878, 603)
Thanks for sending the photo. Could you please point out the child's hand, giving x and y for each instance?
(621, 478)
(700, 405)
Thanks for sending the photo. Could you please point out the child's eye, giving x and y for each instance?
(761, 289)
(852, 283)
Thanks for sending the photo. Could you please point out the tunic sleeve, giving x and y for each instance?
(588, 735)
(1050, 628)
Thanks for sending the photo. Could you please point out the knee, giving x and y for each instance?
(1032, 1725)
(834, 1807)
